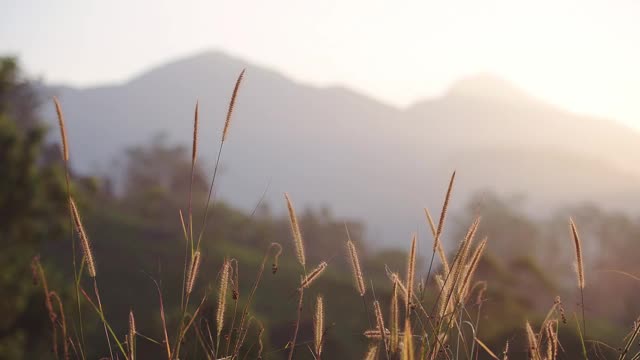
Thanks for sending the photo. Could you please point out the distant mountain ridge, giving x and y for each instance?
(365, 159)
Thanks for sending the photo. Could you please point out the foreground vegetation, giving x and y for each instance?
(214, 283)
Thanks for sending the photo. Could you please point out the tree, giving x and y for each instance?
(157, 180)
(32, 210)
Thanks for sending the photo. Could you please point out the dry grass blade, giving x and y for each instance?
(84, 240)
(243, 319)
(183, 331)
(407, 349)
(292, 343)
(371, 353)
(295, 231)
(163, 320)
(432, 226)
(232, 103)
(63, 324)
(486, 349)
(107, 328)
(631, 339)
(183, 226)
(39, 275)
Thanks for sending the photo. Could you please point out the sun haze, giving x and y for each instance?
(581, 55)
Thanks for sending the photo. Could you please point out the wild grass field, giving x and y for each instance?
(188, 277)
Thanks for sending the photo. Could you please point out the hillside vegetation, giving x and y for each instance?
(158, 266)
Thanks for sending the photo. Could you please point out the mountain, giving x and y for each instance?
(366, 160)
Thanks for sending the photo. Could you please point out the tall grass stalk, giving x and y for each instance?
(278, 251)
(357, 273)
(225, 132)
(67, 179)
(579, 270)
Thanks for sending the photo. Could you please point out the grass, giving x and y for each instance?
(445, 326)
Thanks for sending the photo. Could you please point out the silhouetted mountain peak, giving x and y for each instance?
(488, 87)
(331, 145)
(207, 65)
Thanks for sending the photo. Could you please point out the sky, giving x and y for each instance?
(581, 55)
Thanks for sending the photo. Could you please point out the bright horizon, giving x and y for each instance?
(578, 55)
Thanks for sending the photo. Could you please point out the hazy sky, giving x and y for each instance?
(583, 55)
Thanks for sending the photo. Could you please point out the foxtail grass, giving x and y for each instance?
(579, 270)
(305, 282)
(357, 273)
(578, 247)
(295, 232)
(318, 327)
(63, 131)
(194, 269)
(441, 221)
(313, 275)
(552, 340)
(222, 296)
(407, 349)
(222, 301)
(411, 272)
(90, 262)
(84, 241)
(276, 249)
(225, 132)
(394, 317)
(67, 177)
(39, 277)
(232, 104)
(532, 342)
(380, 324)
(194, 157)
(455, 282)
(356, 268)
(187, 278)
(437, 232)
(375, 334)
(132, 336)
(235, 296)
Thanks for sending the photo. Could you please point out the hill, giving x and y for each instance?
(334, 147)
